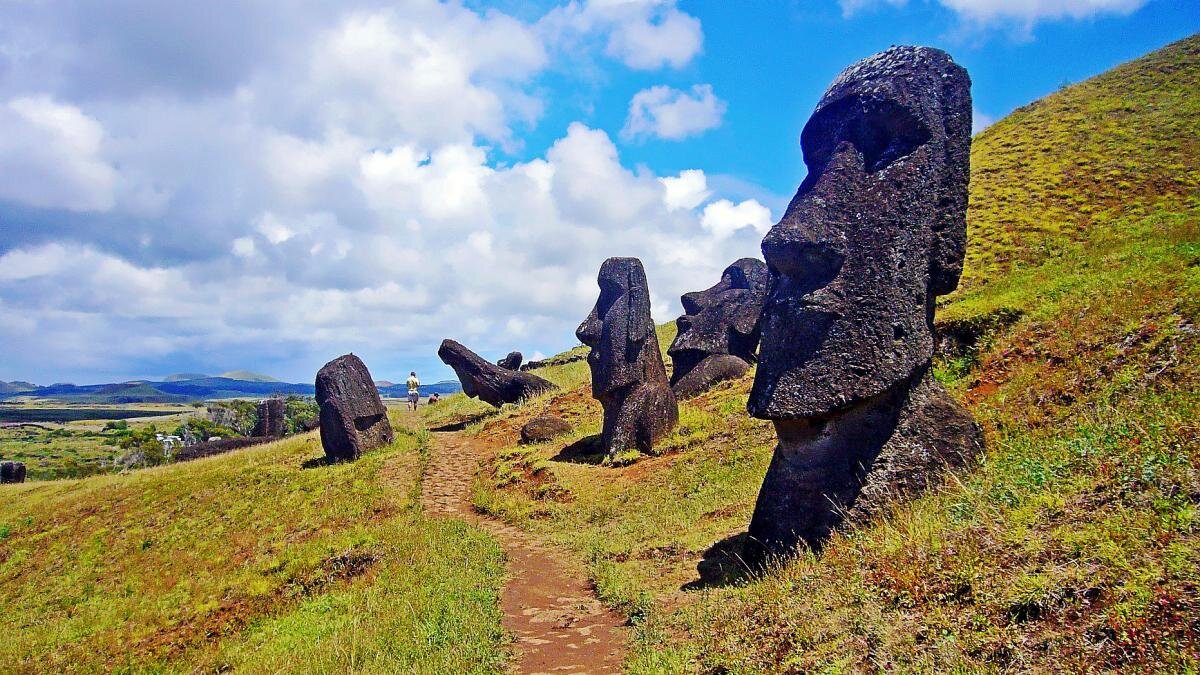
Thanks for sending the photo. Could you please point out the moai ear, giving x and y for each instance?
(639, 325)
(949, 244)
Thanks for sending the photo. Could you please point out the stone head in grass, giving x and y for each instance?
(353, 418)
(718, 332)
(875, 233)
(628, 376)
(487, 381)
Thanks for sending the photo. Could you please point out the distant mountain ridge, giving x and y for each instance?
(175, 390)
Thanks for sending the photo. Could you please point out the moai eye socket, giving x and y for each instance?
(882, 131)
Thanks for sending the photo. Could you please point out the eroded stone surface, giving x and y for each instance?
(270, 419)
(488, 381)
(512, 361)
(544, 428)
(353, 417)
(875, 233)
(718, 332)
(628, 376)
(12, 472)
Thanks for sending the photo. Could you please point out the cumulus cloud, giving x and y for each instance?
(348, 192)
(642, 34)
(1024, 13)
(51, 156)
(673, 114)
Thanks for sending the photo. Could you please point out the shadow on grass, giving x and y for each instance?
(586, 450)
(465, 422)
(723, 565)
(316, 462)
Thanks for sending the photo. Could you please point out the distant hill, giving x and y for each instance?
(181, 377)
(173, 390)
(247, 376)
(16, 387)
(382, 384)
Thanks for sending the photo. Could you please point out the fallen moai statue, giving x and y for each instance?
(628, 376)
(12, 472)
(718, 332)
(512, 361)
(353, 418)
(488, 381)
(875, 233)
(270, 419)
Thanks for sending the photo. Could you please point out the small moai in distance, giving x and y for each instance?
(512, 361)
(270, 419)
(12, 472)
(875, 233)
(353, 417)
(718, 332)
(487, 381)
(628, 376)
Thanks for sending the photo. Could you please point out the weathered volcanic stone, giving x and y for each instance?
(12, 472)
(628, 377)
(718, 332)
(487, 381)
(875, 233)
(270, 419)
(353, 419)
(512, 361)
(544, 428)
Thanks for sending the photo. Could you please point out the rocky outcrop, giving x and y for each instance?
(544, 428)
(628, 377)
(270, 419)
(511, 362)
(875, 233)
(487, 381)
(353, 418)
(718, 332)
(12, 472)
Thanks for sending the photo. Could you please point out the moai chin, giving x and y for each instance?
(628, 376)
(875, 233)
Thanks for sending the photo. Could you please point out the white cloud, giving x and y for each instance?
(673, 114)
(1023, 13)
(980, 121)
(642, 34)
(51, 156)
(243, 247)
(723, 217)
(685, 191)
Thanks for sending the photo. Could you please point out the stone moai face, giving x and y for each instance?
(628, 375)
(619, 328)
(719, 321)
(876, 231)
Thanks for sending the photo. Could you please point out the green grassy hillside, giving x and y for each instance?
(261, 560)
(1072, 546)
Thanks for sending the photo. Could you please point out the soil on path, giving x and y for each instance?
(548, 605)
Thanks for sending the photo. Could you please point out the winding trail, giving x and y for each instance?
(559, 624)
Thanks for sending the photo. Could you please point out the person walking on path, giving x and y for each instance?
(414, 390)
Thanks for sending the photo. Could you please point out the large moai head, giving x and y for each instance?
(353, 417)
(628, 376)
(718, 332)
(876, 231)
(489, 382)
(620, 330)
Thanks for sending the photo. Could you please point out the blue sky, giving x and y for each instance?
(270, 186)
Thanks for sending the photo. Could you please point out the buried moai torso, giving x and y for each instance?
(718, 332)
(876, 231)
(353, 418)
(628, 376)
(271, 422)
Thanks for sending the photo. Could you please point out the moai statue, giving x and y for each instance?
(270, 419)
(718, 332)
(12, 472)
(353, 418)
(488, 381)
(512, 361)
(628, 376)
(875, 233)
